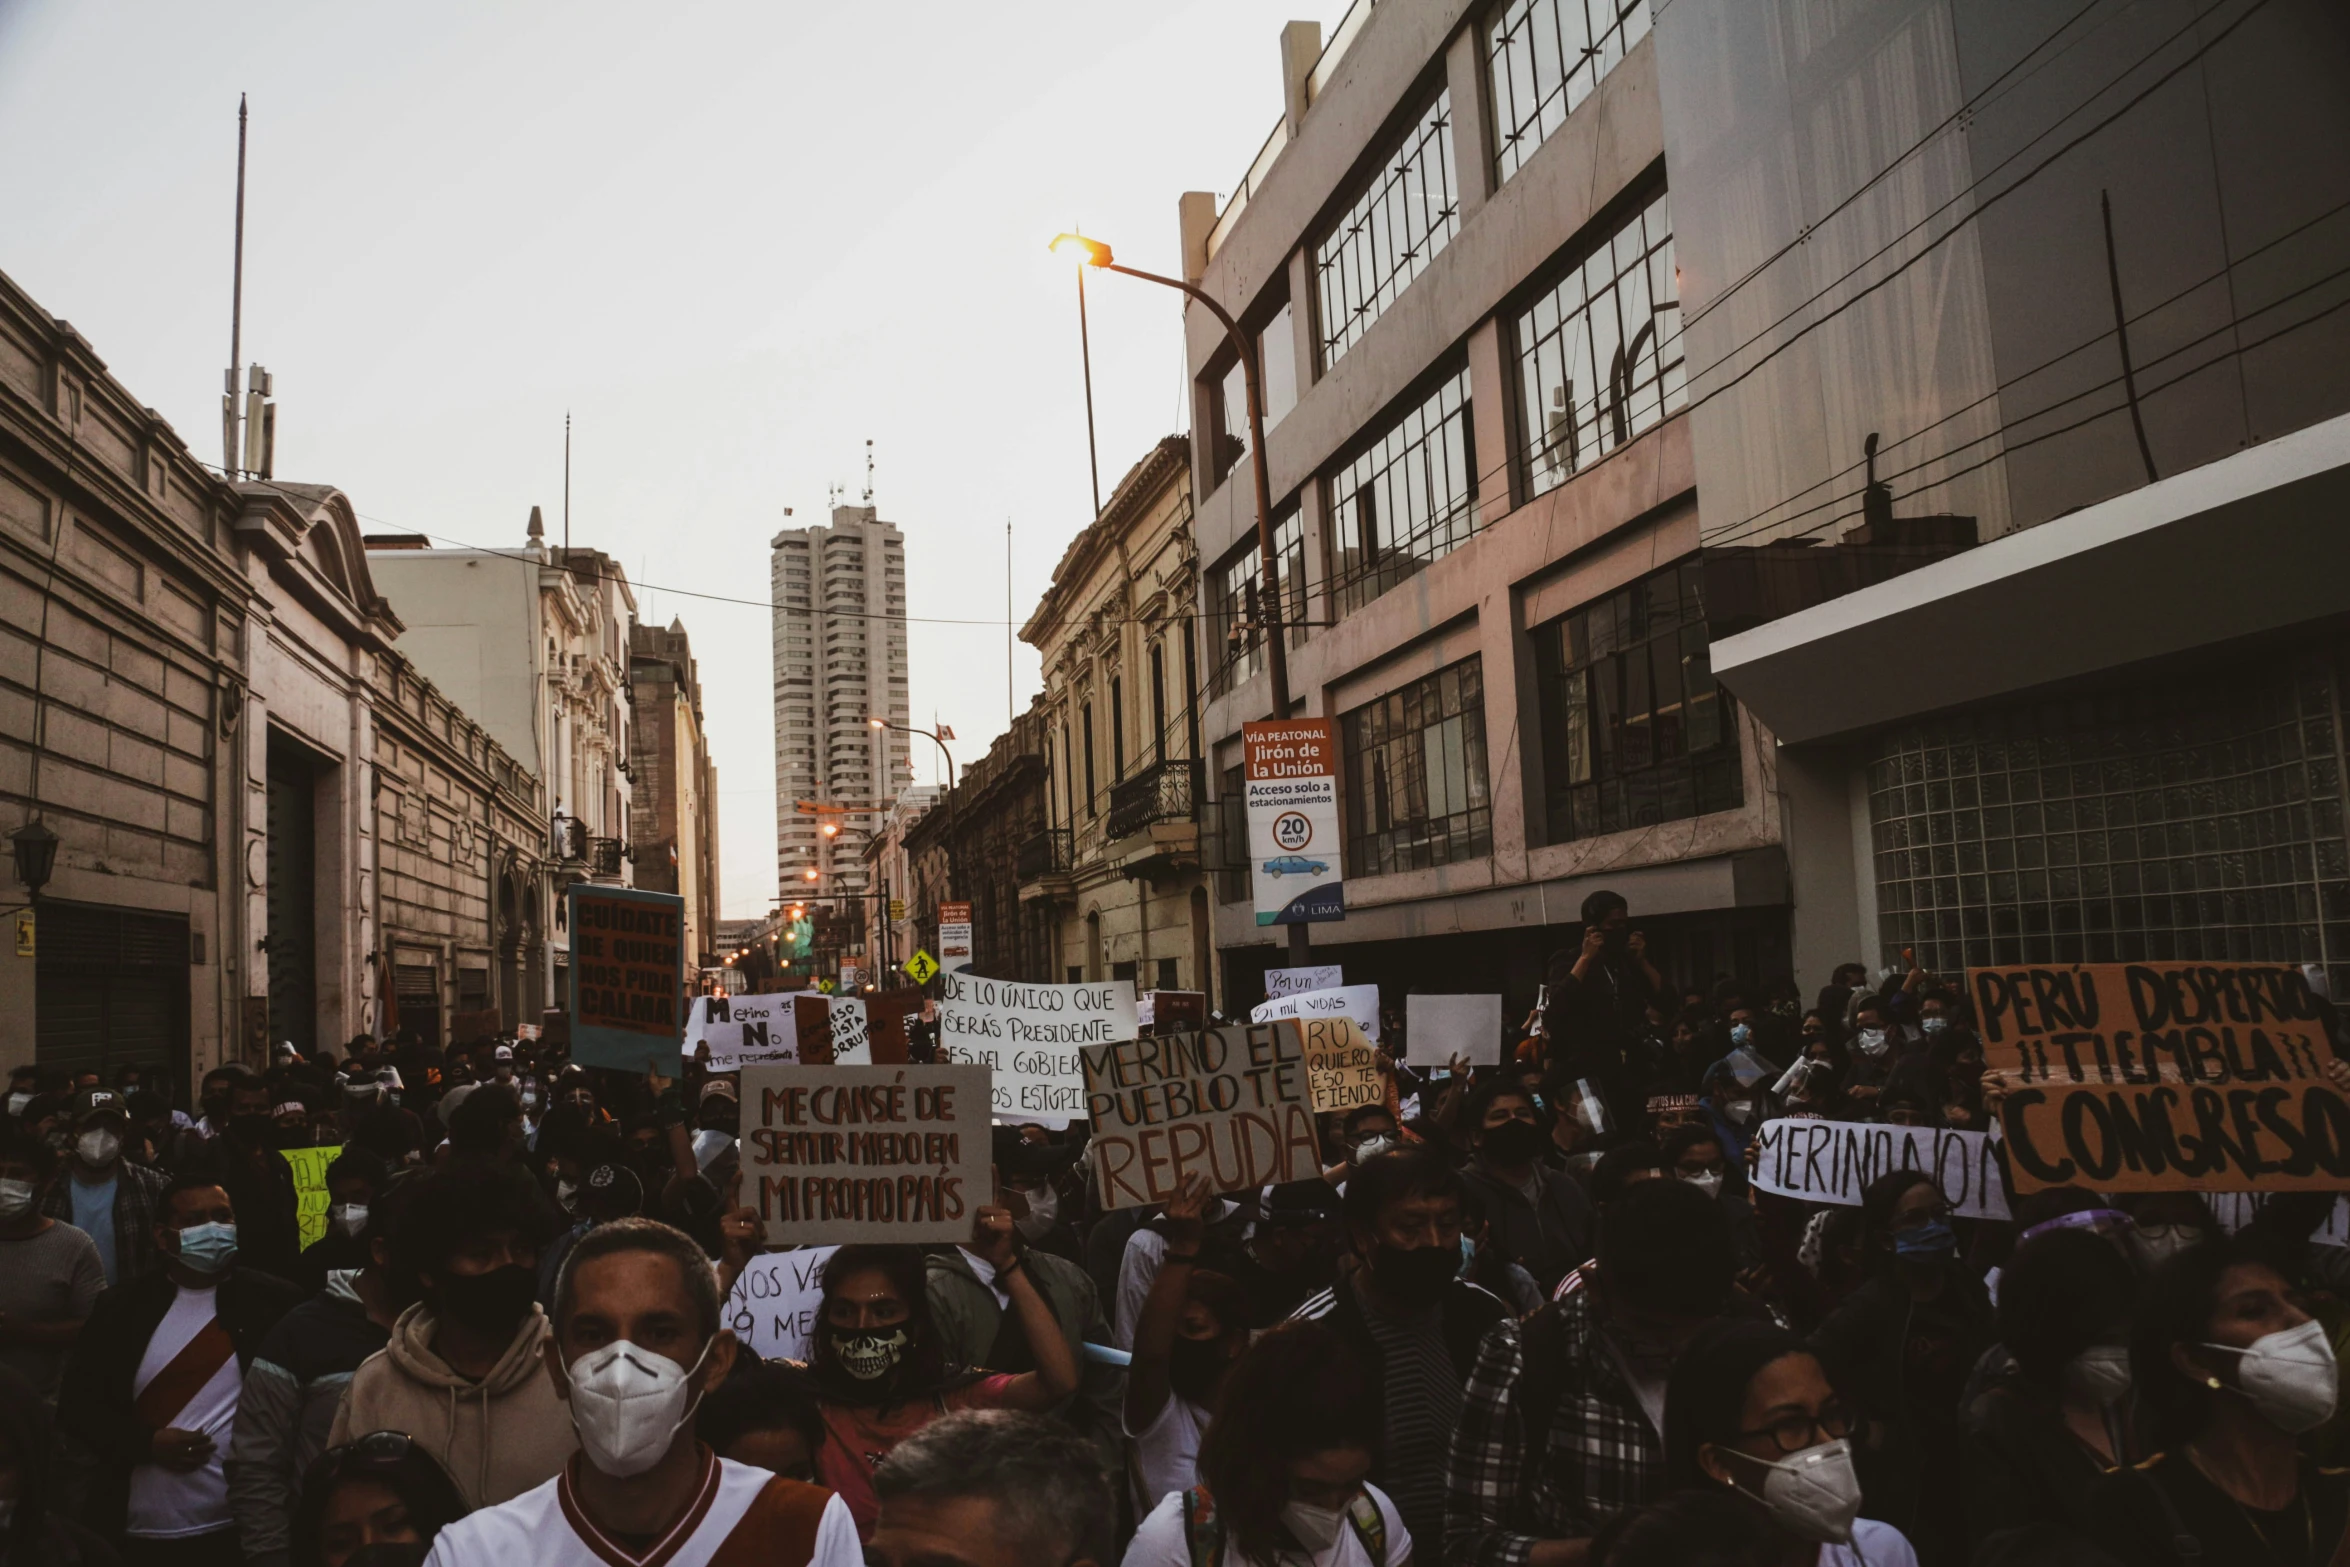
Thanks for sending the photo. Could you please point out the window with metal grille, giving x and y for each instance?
(1405, 500)
(1405, 215)
(1415, 775)
(1634, 730)
(2187, 821)
(1236, 881)
(1546, 57)
(1599, 353)
(1238, 630)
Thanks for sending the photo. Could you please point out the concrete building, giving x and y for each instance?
(1116, 876)
(673, 798)
(1454, 261)
(892, 931)
(2019, 383)
(840, 661)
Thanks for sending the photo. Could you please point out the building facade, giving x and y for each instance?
(1454, 263)
(1115, 877)
(840, 662)
(967, 850)
(893, 932)
(2021, 422)
(673, 796)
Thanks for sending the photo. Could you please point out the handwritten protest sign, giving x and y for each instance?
(775, 1300)
(866, 1153)
(1233, 1104)
(1360, 1002)
(2137, 1077)
(1341, 1063)
(2234, 1210)
(1029, 1036)
(627, 976)
(1437, 1028)
(742, 1030)
(1834, 1162)
(886, 1013)
(311, 1198)
(1281, 982)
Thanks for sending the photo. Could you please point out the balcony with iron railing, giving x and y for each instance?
(1154, 819)
(604, 857)
(1042, 866)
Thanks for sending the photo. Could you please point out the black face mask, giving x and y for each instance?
(1193, 1367)
(254, 1131)
(387, 1556)
(1417, 1277)
(492, 1304)
(1512, 1142)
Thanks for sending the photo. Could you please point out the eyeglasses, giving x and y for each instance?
(376, 1450)
(1792, 1432)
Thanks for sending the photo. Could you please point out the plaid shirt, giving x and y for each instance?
(136, 1190)
(1599, 1457)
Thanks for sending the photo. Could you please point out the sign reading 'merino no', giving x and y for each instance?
(2157, 1076)
(627, 977)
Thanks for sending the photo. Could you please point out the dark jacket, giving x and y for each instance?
(287, 1408)
(2022, 1465)
(95, 1401)
(137, 1192)
(1549, 1235)
(1468, 1311)
(260, 1185)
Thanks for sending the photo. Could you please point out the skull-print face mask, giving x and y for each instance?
(870, 1356)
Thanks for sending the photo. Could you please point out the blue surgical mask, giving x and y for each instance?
(1741, 1034)
(1929, 1242)
(1935, 1025)
(208, 1248)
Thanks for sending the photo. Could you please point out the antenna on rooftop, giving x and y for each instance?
(868, 470)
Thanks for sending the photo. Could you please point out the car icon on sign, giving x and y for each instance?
(1295, 865)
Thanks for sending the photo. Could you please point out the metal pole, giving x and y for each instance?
(566, 486)
(236, 312)
(1085, 347)
(1011, 702)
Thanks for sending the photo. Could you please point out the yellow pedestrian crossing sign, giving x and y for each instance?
(920, 967)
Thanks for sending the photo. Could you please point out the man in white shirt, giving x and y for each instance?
(637, 1342)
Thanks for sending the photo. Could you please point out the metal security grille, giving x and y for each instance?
(111, 988)
(1547, 56)
(1387, 238)
(2182, 821)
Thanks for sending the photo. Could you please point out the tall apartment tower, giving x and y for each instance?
(840, 661)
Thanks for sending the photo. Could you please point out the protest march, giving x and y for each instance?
(1939, 1269)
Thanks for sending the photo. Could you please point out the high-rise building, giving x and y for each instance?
(840, 662)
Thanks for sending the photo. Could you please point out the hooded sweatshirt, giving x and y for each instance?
(497, 1438)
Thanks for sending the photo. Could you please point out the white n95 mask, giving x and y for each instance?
(2289, 1376)
(626, 1403)
(1814, 1493)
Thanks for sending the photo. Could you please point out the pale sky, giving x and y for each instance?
(734, 240)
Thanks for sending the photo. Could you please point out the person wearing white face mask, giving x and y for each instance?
(637, 1343)
(2237, 1374)
(104, 1195)
(1749, 1411)
(50, 1276)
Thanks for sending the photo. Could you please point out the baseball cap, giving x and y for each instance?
(502, 1053)
(719, 1088)
(96, 1101)
(1298, 1202)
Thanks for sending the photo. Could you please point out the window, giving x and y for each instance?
(1634, 730)
(1546, 57)
(1236, 881)
(1391, 233)
(1238, 629)
(1117, 729)
(1276, 383)
(1406, 500)
(1158, 704)
(1599, 354)
(1093, 804)
(1415, 775)
(1168, 978)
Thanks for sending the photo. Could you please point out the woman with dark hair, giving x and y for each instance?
(1903, 1343)
(2039, 1437)
(881, 1371)
(764, 1415)
(376, 1502)
(2233, 1371)
(1750, 1410)
(1284, 1468)
(30, 1534)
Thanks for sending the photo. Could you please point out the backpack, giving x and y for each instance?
(1203, 1531)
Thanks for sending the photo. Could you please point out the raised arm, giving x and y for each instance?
(1147, 1384)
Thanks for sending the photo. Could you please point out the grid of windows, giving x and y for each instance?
(1387, 238)
(1415, 775)
(2171, 823)
(1634, 729)
(1599, 353)
(1233, 589)
(1546, 57)
(1407, 499)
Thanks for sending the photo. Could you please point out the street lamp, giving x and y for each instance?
(1093, 253)
(931, 735)
(35, 848)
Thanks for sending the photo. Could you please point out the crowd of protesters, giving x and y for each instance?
(1530, 1315)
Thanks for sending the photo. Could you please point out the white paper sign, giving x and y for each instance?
(1834, 1161)
(850, 1047)
(1360, 1002)
(742, 1030)
(775, 1301)
(1437, 1028)
(1281, 982)
(1030, 1036)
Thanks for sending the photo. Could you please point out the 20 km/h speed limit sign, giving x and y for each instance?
(1291, 783)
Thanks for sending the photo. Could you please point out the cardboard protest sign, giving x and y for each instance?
(866, 1153)
(742, 1030)
(311, 1198)
(1281, 982)
(1360, 1002)
(1171, 1011)
(1437, 1028)
(1834, 1161)
(627, 977)
(886, 1013)
(1029, 1036)
(775, 1299)
(1341, 1063)
(1232, 1104)
(2134, 1077)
